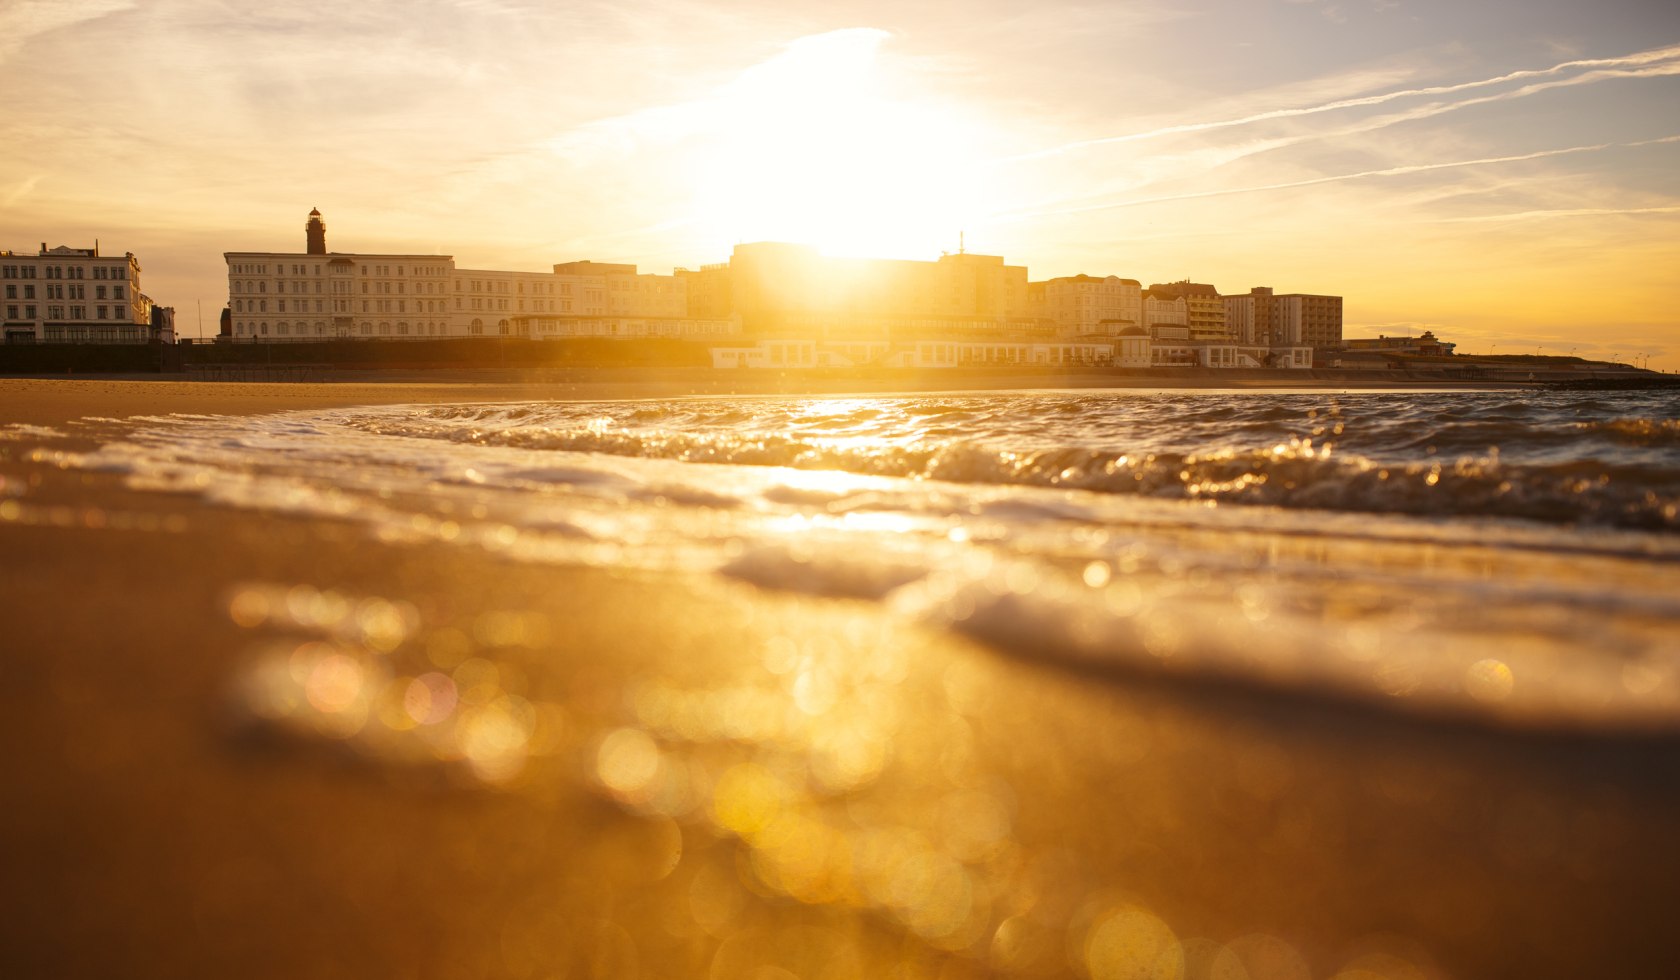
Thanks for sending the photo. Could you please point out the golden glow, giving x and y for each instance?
(825, 145)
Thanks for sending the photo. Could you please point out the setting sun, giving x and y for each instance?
(825, 144)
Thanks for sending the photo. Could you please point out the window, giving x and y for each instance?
(11, 313)
(116, 292)
(28, 291)
(11, 292)
(102, 313)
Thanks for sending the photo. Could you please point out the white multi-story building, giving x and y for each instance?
(317, 295)
(67, 295)
(314, 295)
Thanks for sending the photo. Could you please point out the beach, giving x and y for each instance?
(271, 741)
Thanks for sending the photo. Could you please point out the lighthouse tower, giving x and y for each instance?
(315, 232)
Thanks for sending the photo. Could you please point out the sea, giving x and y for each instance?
(1506, 558)
(1116, 683)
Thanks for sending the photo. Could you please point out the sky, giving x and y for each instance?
(1503, 172)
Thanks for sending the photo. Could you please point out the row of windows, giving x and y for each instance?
(65, 292)
(284, 268)
(76, 312)
(319, 329)
(62, 272)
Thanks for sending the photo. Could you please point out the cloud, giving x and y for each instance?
(1666, 61)
(21, 191)
(1559, 213)
(1337, 178)
(23, 20)
(802, 69)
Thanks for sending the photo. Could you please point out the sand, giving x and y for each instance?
(936, 811)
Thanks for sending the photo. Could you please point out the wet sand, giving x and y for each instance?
(709, 779)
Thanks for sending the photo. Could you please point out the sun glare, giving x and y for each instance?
(828, 145)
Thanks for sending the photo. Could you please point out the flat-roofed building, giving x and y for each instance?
(1264, 317)
(785, 289)
(1311, 320)
(66, 295)
(1425, 343)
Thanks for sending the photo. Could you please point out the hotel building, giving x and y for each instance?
(67, 295)
(318, 295)
(1088, 306)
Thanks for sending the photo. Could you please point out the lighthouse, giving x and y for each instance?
(315, 233)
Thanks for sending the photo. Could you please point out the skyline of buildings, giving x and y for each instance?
(792, 304)
(772, 290)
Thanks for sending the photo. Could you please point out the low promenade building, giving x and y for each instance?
(66, 295)
(1132, 348)
(1426, 343)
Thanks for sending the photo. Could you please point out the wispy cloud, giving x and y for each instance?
(1559, 213)
(1399, 171)
(23, 189)
(23, 20)
(1666, 60)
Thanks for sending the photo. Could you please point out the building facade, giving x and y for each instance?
(1166, 316)
(1088, 306)
(67, 295)
(783, 289)
(1265, 317)
(1204, 309)
(316, 295)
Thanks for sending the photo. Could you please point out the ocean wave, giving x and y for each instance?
(1296, 473)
